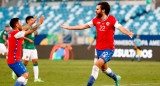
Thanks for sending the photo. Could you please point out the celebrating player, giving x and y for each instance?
(15, 39)
(3, 41)
(105, 25)
(30, 52)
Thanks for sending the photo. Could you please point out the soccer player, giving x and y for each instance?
(105, 25)
(30, 52)
(137, 42)
(3, 41)
(15, 39)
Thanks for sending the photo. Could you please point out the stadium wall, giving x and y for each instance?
(121, 52)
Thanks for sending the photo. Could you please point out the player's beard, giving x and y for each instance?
(99, 15)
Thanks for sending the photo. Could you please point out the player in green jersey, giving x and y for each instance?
(3, 41)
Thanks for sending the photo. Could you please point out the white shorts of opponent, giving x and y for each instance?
(29, 54)
(3, 48)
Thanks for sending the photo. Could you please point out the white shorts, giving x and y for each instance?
(95, 52)
(3, 48)
(29, 54)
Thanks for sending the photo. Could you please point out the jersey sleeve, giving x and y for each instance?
(19, 34)
(115, 22)
(5, 33)
(92, 23)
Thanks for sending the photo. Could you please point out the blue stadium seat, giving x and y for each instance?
(78, 14)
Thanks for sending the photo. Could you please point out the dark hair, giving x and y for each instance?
(7, 26)
(105, 6)
(13, 22)
(28, 17)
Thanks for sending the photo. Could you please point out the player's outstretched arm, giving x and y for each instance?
(125, 31)
(35, 27)
(29, 24)
(31, 41)
(77, 27)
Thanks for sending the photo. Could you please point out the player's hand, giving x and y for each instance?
(131, 34)
(65, 26)
(41, 19)
(34, 20)
(31, 41)
(89, 47)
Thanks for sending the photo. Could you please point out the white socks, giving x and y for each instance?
(95, 71)
(25, 82)
(108, 71)
(36, 72)
(21, 79)
(95, 60)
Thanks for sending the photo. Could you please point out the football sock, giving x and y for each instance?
(93, 76)
(20, 81)
(25, 82)
(95, 60)
(36, 70)
(109, 73)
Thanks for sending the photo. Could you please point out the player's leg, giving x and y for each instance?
(34, 57)
(106, 56)
(21, 72)
(139, 54)
(106, 70)
(3, 49)
(95, 71)
(98, 65)
(25, 58)
(132, 59)
(6, 54)
(95, 58)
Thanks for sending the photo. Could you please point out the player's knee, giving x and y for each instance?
(35, 61)
(25, 63)
(26, 75)
(6, 53)
(107, 71)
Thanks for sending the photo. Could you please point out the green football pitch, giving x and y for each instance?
(77, 73)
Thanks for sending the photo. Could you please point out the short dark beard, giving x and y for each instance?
(99, 15)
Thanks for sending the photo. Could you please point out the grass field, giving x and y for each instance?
(77, 73)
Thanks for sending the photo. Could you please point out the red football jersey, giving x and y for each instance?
(105, 32)
(15, 39)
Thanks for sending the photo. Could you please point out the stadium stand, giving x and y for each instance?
(140, 18)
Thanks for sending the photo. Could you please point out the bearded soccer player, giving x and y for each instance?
(15, 39)
(105, 25)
